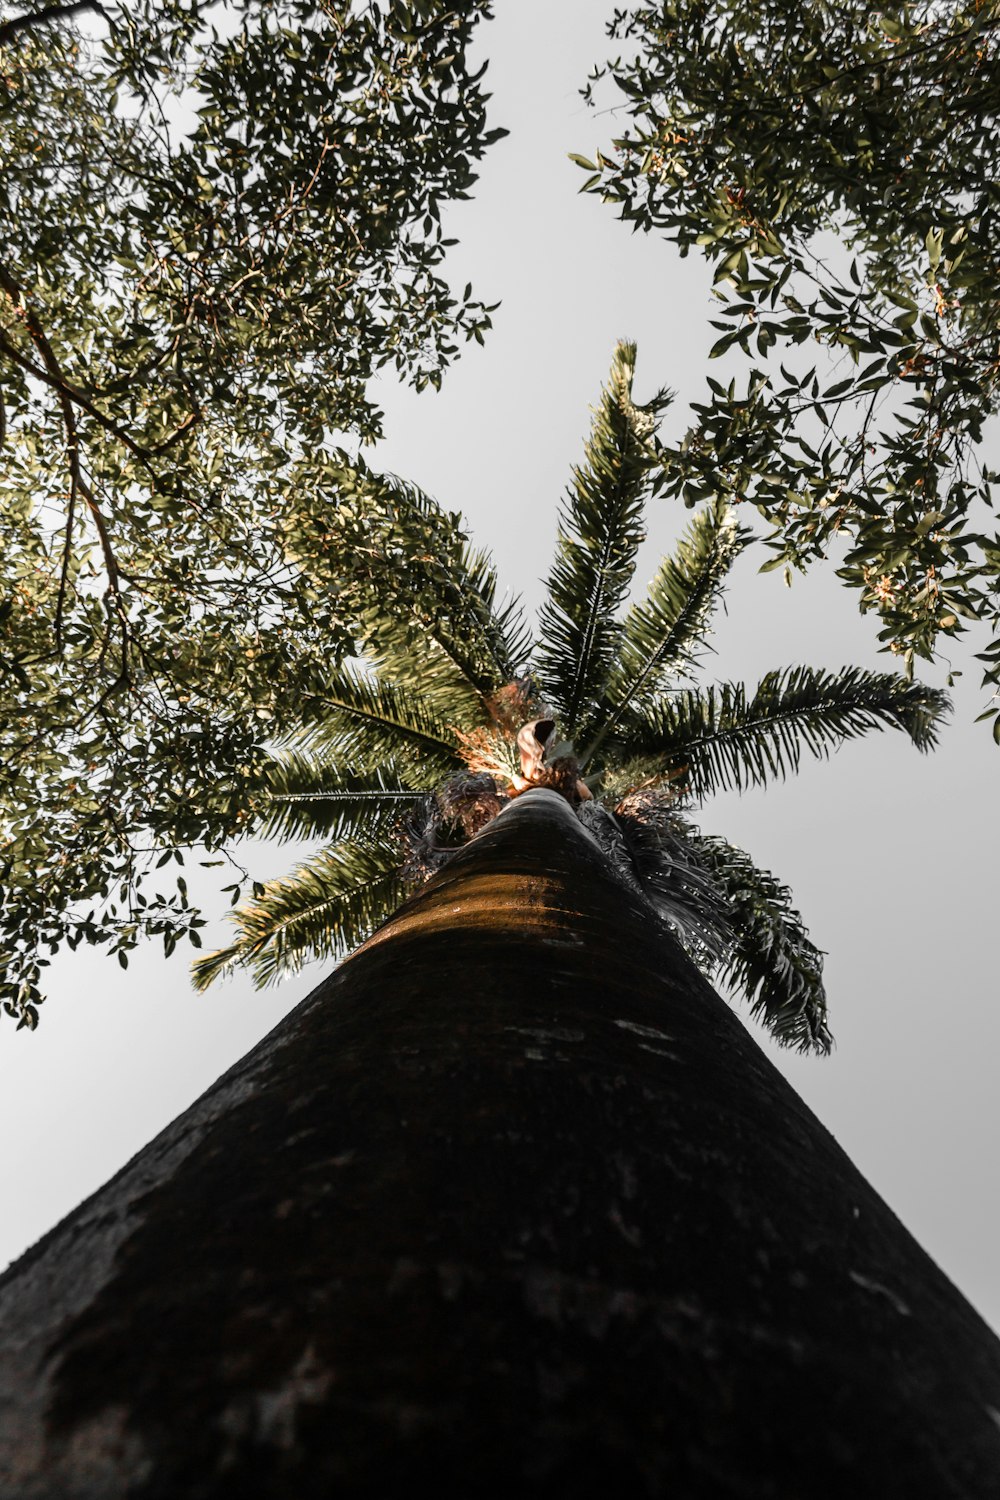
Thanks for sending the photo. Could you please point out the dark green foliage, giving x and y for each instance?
(217, 222)
(663, 634)
(723, 737)
(371, 722)
(649, 841)
(402, 568)
(599, 534)
(326, 907)
(735, 918)
(310, 796)
(420, 719)
(772, 960)
(763, 133)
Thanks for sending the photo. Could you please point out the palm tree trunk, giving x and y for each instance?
(511, 1205)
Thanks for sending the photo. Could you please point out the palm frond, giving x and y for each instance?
(454, 589)
(664, 633)
(366, 723)
(312, 796)
(726, 738)
(600, 528)
(402, 652)
(442, 631)
(324, 909)
(446, 819)
(772, 962)
(423, 599)
(645, 840)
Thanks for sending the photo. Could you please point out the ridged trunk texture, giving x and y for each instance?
(512, 1205)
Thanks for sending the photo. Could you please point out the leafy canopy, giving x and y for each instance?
(217, 221)
(838, 166)
(407, 754)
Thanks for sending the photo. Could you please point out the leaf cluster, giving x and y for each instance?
(762, 134)
(217, 223)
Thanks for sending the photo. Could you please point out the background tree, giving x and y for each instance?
(435, 723)
(838, 168)
(218, 220)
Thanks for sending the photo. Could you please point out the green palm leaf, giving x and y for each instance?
(436, 622)
(310, 796)
(424, 601)
(600, 529)
(456, 602)
(772, 962)
(402, 650)
(727, 739)
(367, 723)
(329, 905)
(663, 635)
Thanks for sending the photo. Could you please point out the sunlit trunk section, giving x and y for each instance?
(511, 1205)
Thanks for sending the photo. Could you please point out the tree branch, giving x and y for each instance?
(79, 486)
(42, 17)
(50, 371)
(52, 375)
(74, 485)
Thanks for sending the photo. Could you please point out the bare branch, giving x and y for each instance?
(43, 17)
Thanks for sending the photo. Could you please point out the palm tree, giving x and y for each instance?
(453, 711)
(512, 1204)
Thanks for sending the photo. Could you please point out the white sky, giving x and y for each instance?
(888, 852)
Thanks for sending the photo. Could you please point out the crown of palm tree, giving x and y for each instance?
(452, 710)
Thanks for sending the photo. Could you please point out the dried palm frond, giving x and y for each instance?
(489, 751)
(562, 775)
(445, 820)
(652, 837)
(512, 705)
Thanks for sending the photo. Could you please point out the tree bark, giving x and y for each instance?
(511, 1205)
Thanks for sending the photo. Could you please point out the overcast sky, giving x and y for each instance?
(888, 852)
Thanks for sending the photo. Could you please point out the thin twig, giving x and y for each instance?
(67, 541)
